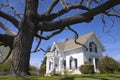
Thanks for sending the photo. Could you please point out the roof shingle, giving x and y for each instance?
(70, 44)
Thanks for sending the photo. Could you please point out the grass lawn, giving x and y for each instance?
(69, 77)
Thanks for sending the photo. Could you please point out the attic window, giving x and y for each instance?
(54, 49)
(92, 47)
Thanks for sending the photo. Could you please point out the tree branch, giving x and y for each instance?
(89, 3)
(13, 10)
(6, 56)
(40, 39)
(8, 31)
(52, 6)
(85, 17)
(113, 14)
(50, 35)
(40, 49)
(64, 4)
(61, 12)
(10, 18)
(76, 37)
(7, 40)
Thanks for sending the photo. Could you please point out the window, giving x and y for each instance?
(55, 65)
(55, 52)
(50, 65)
(90, 60)
(70, 64)
(64, 63)
(75, 63)
(92, 47)
(54, 49)
(96, 62)
(95, 48)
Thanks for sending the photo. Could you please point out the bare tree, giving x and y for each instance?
(31, 23)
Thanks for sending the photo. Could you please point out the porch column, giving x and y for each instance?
(53, 66)
(59, 65)
(94, 64)
(47, 67)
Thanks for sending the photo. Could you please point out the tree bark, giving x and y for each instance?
(23, 41)
(21, 51)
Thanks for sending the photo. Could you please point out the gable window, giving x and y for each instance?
(92, 47)
(95, 48)
(55, 52)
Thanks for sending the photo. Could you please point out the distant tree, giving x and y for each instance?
(43, 67)
(31, 20)
(108, 65)
(32, 68)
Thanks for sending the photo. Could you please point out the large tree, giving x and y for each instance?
(31, 22)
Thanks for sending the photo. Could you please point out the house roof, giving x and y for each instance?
(70, 44)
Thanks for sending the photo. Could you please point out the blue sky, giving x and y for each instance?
(111, 40)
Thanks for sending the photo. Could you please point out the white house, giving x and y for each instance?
(70, 56)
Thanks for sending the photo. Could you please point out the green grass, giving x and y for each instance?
(68, 77)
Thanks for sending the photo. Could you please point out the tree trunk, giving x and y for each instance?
(21, 51)
(23, 41)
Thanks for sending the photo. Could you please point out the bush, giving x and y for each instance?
(5, 67)
(108, 65)
(118, 67)
(33, 70)
(87, 68)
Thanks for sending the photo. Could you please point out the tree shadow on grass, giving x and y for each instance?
(94, 77)
(67, 78)
(3, 78)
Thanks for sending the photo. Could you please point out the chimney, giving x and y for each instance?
(66, 39)
(75, 36)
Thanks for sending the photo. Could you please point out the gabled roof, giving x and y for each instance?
(60, 45)
(70, 44)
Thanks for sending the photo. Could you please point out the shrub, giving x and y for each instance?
(87, 68)
(108, 65)
(52, 73)
(55, 73)
(66, 71)
(5, 67)
(33, 70)
(118, 67)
